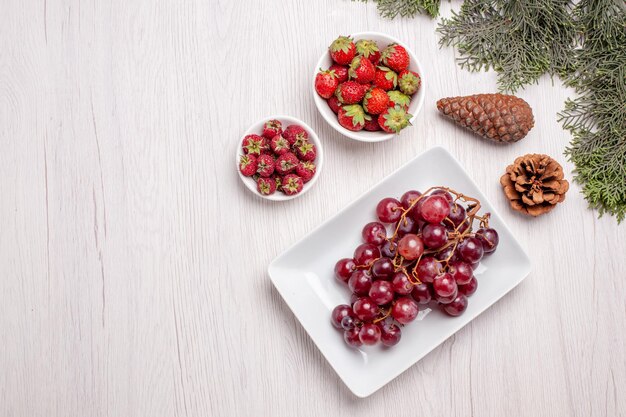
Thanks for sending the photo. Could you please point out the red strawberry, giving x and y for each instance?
(254, 144)
(375, 101)
(266, 186)
(368, 49)
(326, 83)
(341, 71)
(292, 184)
(352, 117)
(265, 165)
(272, 128)
(362, 70)
(300, 139)
(279, 145)
(396, 98)
(247, 165)
(306, 170)
(409, 82)
(286, 163)
(351, 92)
(372, 124)
(395, 57)
(292, 130)
(277, 180)
(306, 151)
(334, 104)
(394, 119)
(385, 78)
(342, 50)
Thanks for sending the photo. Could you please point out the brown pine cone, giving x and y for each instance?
(498, 117)
(534, 184)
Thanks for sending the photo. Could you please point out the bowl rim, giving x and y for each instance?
(319, 158)
(358, 136)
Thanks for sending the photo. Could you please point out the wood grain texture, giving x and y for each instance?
(134, 262)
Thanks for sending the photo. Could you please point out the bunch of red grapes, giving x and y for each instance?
(429, 259)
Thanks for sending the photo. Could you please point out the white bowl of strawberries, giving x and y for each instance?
(368, 86)
(279, 158)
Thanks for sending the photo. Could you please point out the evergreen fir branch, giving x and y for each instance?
(520, 39)
(406, 8)
(597, 117)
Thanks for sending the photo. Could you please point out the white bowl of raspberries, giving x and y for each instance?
(368, 86)
(279, 158)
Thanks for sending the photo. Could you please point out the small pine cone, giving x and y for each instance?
(534, 184)
(499, 117)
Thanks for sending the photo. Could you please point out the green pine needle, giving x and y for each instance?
(520, 39)
(406, 8)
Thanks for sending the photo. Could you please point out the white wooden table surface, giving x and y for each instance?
(133, 261)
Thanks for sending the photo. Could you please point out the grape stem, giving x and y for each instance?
(387, 314)
(454, 237)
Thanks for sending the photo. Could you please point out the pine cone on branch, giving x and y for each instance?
(499, 117)
(534, 184)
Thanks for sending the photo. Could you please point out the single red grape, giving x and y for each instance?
(374, 233)
(382, 268)
(461, 272)
(434, 236)
(448, 254)
(434, 209)
(457, 306)
(428, 268)
(365, 309)
(433, 294)
(421, 293)
(365, 254)
(456, 216)
(389, 249)
(381, 292)
(463, 226)
(409, 197)
(389, 210)
(416, 211)
(444, 193)
(404, 310)
(410, 247)
(348, 322)
(360, 282)
(469, 288)
(448, 299)
(353, 298)
(338, 313)
(471, 250)
(489, 239)
(369, 334)
(444, 285)
(406, 225)
(401, 283)
(344, 268)
(390, 334)
(351, 338)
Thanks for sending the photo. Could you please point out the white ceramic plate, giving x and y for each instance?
(257, 129)
(417, 101)
(304, 277)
